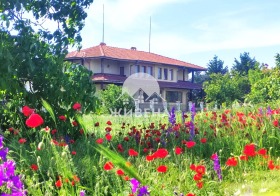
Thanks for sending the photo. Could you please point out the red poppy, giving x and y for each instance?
(262, 151)
(53, 131)
(73, 152)
(22, 140)
(108, 129)
(76, 178)
(203, 140)
(62, 118)
(190, 194)
(27, 111)
(72, 141)
(54, 142)
(132, 152)
(244, 157)
(199, 185)
(200, 169)
(150, 157)
(192, 167)
(178, 150)
(161, 153)
(232, 161)
(99, 141)
(162, 169)
(96, 124)
(197, 177)
(58, 184)
(34, 167)
(120, 148)
(190, 144)
(120, 172)
(74, 123)
(126, 139)
(249, 150)
(34, 120)
(126, 178)
(11, 129)
(77, 106)
(81, 131)
(108, 166)
(109, 122)
(108, 137)
(276, 123)
(270, 165)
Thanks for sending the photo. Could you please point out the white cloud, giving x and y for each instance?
(127, 24)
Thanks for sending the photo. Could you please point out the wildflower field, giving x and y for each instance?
(224, 152)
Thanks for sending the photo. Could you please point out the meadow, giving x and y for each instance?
(223, 152)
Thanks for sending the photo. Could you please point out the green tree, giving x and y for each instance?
(277, 60)
(216, 66)
(245, 64)
(32, 54)
(264, 85)
(113, 100)
(225, 88)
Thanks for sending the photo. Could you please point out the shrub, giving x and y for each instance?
(113, 100)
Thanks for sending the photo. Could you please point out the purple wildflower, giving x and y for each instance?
(1, 141)
(268, 111)
(135, 184)
(192, 128)
(143, 191)
(8, 178)
(172, 116)
(3, 154)
(82, 193)
(217, 166)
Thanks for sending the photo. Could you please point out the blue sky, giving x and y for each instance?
(189, 30)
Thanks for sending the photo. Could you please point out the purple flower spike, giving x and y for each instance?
(82, 193)
(135, 184)
(172, 116)
(192, 128)
(143, 191)
(217, 166)
(1, 141)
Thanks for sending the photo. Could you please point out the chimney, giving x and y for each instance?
(133, 48)
(102, 44)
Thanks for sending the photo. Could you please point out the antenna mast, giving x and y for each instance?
(103, 26)
(150, 34)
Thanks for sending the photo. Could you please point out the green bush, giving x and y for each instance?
(264, 85)
(113, 100)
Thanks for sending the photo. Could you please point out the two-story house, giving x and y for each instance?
(112, 65)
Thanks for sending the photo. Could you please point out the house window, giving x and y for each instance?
(159, 73)
(137, 69)
(173, 96)
(122, 71)
(165, 74)
(131, 70)
(171, 74)
(150, 70)
(143, 69)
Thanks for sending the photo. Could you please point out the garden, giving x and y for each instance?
(225, 152)
(58, 138)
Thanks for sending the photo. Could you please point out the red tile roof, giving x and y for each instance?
(113, 78)
(105, 51)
